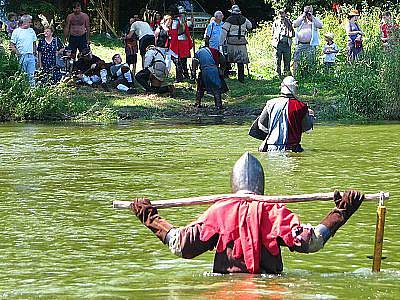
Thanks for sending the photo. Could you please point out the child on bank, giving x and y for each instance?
(330, 50)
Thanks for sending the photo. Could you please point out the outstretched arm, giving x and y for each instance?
(309, 239)
(184, 242)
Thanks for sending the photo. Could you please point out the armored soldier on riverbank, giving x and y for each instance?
(233, 40)
(210, 78)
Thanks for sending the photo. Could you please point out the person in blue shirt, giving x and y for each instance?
(213, 31)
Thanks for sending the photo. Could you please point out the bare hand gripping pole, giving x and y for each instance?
(270, 199)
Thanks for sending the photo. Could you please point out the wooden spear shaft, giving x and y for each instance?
(270, 199)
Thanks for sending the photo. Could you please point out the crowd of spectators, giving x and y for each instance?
(165, 41)
(304, 31)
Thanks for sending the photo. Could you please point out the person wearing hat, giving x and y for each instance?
(282, 34)
(283, 120)
(354, 33)
(213, 31)
(330, 50)
(233, 39)
(154, 72)
(91, 69)
(306, 38)
(247, 235)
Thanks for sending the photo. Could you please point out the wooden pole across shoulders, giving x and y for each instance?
(250, 197)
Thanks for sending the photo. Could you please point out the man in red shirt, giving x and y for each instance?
(247, 235)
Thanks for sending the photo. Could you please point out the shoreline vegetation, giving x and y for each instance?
(368, 89)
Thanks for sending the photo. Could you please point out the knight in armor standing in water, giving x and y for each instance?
(181, 42)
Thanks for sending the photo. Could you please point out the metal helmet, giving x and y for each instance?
(247, 174)
(289, 86)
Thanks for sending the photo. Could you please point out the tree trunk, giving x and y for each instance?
(115, 14)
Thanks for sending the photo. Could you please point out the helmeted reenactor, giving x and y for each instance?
(233, 40)
(247, 235)
(283, 120)
(181, 42)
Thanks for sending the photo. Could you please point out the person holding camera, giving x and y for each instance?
(306, 37)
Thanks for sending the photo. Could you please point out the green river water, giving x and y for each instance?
(61, 238)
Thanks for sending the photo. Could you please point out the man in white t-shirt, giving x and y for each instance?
(23, 43)
(145, 34)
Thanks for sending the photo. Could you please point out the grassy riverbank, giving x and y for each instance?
(368, 89)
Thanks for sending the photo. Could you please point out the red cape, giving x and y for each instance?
(180, 47)
(249, 224)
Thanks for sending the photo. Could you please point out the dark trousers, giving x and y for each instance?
(182, 71)
(201, 88)
(77, 42)
(143, 78)
(283, 51)
(240, 72)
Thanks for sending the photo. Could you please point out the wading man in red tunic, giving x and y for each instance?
(247, 235)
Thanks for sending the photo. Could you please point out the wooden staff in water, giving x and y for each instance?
(247, 235)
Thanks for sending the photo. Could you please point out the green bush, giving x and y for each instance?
(19, 101)
(367, 88)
